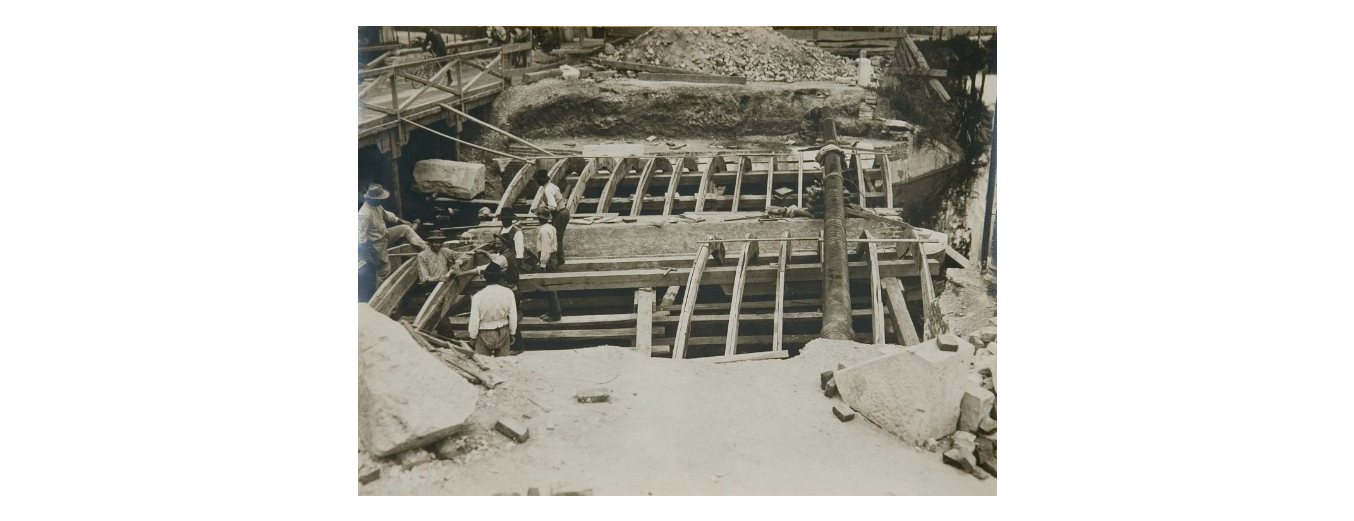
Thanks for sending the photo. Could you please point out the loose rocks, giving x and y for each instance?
(975, 406)
(593, 395)
(513, 429)
(843, 412)
(455, 178)
(914, 394)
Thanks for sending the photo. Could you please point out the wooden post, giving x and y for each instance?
(637, 205)
(693, 285)
(902, 319)
(394, 99)
(876, 306)
(738, 185)
(672, 185)
(739, 281)
(777, 342)
(799, 161)
(644, 298)
(396, 193)
(770, 176)
(884, 168)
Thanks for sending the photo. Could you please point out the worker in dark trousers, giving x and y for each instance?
(550, 200)
(433, 39)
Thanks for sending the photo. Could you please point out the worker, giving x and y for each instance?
(864, 70)
(549, 199)
(432, 38)
(377, 228)
(435, 262)
(510, 243)
(493, 315)
(545, 244)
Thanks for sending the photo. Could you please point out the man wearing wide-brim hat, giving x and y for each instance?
(435, 262)
(377, 228)
(550, 200)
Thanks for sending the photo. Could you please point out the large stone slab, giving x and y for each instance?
(453, 178)
(405, 397)
(914, 394)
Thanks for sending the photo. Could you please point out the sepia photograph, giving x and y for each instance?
(682, 261)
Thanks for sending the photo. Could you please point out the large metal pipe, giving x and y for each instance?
(836, 280)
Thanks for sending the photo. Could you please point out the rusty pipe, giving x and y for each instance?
(836, 282)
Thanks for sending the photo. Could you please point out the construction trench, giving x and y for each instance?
(709, 243)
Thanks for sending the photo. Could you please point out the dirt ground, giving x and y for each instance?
(677, 428)
(969, 300)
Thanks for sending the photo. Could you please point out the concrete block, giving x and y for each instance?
(987, 426)
(843, 412)
(963, 460)
(914, 394)
(823, 379)
(988, 334)
(964, 441)
(513, 429)
(949, 342)
(413, 458)
(974, 407)
(992, 348)
(992, 438)
(455, 178)
(406, 397)
(830, 389)
(985, 449)
(593, 395)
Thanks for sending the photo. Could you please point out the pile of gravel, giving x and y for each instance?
(758, 53)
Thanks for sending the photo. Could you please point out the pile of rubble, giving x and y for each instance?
(758, 53)
(939, 394)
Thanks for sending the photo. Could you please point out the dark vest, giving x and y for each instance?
(509, 252)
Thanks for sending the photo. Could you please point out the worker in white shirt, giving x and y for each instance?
(509, 242)
(493, 315)
(377, 228)
(549, 198)
(545, 244)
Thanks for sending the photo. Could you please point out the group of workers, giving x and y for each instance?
(494, 310)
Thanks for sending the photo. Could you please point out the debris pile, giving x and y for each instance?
(758, 53)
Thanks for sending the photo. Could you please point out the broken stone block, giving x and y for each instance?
(413, 458)
(949, 342)
(830, 389)
(534, 491)
(454, 178)
(513, 429)
(992, 348)
(991, 437)
(593, 395)
(964, 441)
(367, 471)
(843, 412)
(987, 426)
(988, 334)
(989, 466)
(914, 394)
(976, 339)
(406, 398)
(985, 449)
(994, 378)
(975, 379)
(974, 407)
(960, 459)
(823, 379)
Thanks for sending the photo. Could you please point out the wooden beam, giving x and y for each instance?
(693, 284)
(466, 143)
(740, 278)
(876, 306)
(799, 163)
(516, 186)
(886, 170)
(644, 298)
(764, 355)
(637, 204)
(442, 297)
(860, 180)
(902, 319)
(676, 177)
(779, 327)
(629, 66)
(693, 78)
(921, 64)
(738, 184)
(935, 73)
(670, 297)
(930, 315)
(575, 334)
(432, 81)
(493, 128)
(770, 180)
(582, 184)
(566, 321)
(755, 317)
(716, 162)
(387, 297)
(364, 90)
(643, 278)
(609, 192)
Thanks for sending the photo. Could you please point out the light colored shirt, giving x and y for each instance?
(546, 243)
(550, 196)
(517, 243)
(434, 266)
(493, 307)
(372, 222)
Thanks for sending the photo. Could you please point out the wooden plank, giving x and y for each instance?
(860, 180)
(566, 321)
(716, 162)
(629, 66)
(676, 177)
(876, 306)
(392, 290)
(486, 68)
(432, 81)
(921, 64)
(929, 314)
(515, 187)
(887, 172)
(779, 327)
(693, 284)
(581, 185)
(643, 278)
(693, 78)
(637, 205)
(752, 340)
(770, 180)
(956, 257)
(750, 250)
(644, 298)
(738, 184)
(764, 355)
(902, 319)
(575, 334)
(754, 317)
(799, 163)
(935, 73)
(443, 296)
(670, 297)
(609, 192)
(364, 90)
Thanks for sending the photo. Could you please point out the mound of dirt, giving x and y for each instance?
(758, 53)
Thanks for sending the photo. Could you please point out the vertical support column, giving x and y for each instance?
(770, 177)
(777, 343)
(929, 319)
(876, 306)
(396, 191)
(738, 185)
(799, 164)
(883, 161)
(644, 298)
